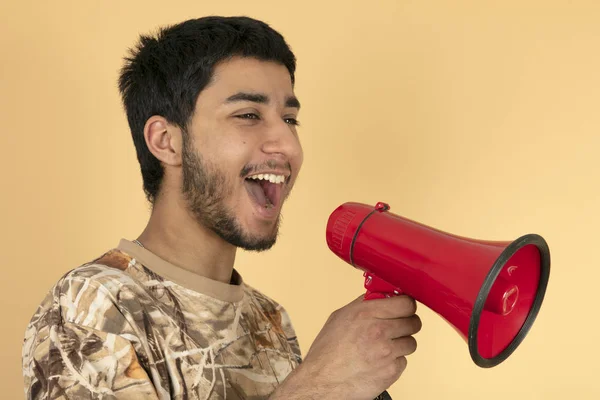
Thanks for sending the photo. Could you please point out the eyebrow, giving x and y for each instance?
(291, 101)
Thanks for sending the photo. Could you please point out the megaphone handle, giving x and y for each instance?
(377, 289)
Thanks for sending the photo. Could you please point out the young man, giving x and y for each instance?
(213, 116)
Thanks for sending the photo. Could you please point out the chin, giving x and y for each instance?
(255, 234)
(258, 243)
(262, 238)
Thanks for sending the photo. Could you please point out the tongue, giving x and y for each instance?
(270, 190)
(257, 192)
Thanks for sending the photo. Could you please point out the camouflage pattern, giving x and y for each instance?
(114, 329)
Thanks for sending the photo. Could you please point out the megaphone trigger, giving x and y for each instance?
(378, 288)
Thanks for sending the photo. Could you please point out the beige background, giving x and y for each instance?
(476, 117)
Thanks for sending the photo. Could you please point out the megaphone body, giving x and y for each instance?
(489, 291)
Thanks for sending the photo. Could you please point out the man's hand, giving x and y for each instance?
(360, 351)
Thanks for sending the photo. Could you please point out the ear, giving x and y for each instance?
(163, 140)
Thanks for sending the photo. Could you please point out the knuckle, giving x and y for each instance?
(330, 320)
(417, 324)
(362, 314)
(335, 314)
(376, 332)
(409, 345)
(396, 368)
(410, 305)
(386, 350)
(401, 363)
(392, 371)
(356, 311)
(413, 344)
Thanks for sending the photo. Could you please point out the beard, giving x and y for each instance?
(205, 189)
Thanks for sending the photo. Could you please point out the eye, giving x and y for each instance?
(248, 116)
(292, 121)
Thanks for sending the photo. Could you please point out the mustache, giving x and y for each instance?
(270, 164)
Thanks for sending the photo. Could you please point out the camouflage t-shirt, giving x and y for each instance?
(130, 325)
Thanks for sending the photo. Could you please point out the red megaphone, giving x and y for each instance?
(489, 291)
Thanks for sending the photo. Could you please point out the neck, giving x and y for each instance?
(174, 235)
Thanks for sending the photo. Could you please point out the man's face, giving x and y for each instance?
(242, 154)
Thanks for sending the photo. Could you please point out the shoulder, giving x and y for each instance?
(93, 294)
(110, 273)
(107, 270)
(86, 301)
(85, 320)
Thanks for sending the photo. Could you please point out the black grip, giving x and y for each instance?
(383, 396)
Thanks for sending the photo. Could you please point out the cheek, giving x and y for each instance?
(298, 158)
(232, 156)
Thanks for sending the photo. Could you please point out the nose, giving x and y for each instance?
(281, 140)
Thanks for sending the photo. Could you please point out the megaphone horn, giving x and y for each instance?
(489, 291)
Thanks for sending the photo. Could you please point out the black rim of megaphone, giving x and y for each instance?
(531, 239)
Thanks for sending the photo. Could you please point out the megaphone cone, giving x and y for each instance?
(489, 291)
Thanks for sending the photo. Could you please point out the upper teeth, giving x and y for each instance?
(269, 177)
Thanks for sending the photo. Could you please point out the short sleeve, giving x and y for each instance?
(290, 333)
(73, 348)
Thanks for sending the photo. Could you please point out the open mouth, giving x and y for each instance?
(265, 189)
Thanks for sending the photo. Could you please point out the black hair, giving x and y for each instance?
(165, 73)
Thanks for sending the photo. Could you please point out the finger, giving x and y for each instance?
(404, 346)
(393, 307)
(397, 328)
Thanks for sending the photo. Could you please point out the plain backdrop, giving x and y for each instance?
(479, 118)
